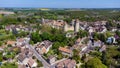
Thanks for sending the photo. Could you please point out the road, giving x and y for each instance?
(39, 57)
(58, 61)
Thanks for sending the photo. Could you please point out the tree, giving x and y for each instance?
(9, 45)
(96, 54)
(56, 45)
(118, 33)
(94, 63)
(39, 63)
(45, 36)
(1, 57)
(71, 41)
(35, 37)
(104, 58)
(60, 56)
(82, 33)
(76, 56)
(22, 34)
(68, 20)
(0, 43)
(102, 37)
(19, 19)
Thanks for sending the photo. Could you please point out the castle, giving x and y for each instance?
(60, 24)
(73, 27)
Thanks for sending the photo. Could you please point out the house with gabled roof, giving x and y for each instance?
(31, 63)
(43, 47)
(10, 42)
(65, 51)
(68, 63)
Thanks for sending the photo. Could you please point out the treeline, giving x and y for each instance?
(35, 16)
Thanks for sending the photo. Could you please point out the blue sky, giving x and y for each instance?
(61, 3)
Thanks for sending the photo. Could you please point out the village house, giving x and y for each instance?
(111, 40)
(10, 42)
(78, 41)
(26, 62)
(75, 47)
(98, 43)
(31, 63)
(22, 59)
(43, 47)
(58, 24)
(66, 51)
(20, 41)
(91, 29)
(9, 27)
(21, 66)
(68, 63)
(51, 59)
(27, 52)
(25, 58)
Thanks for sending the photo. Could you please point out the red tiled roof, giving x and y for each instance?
(68, 63)
(21, 66)
(11, 42)
(31, 62)
(65, 50)
(21, 40)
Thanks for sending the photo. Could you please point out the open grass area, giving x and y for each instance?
(5, 35)
(0, 16)
(9, 65)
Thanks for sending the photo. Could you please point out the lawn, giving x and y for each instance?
(0, 16)
(9, 65)
(4, 35)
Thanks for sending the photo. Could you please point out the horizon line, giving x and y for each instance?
(67, 7)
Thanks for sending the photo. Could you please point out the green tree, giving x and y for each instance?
(1, 57)
(35, 37)
(118, 33)
(102, 37)
(0, 43)
(94, 63)
(82, 33)
(10, 65)
(76, 56)
(68, 20)
(39, 63)
(46, 36)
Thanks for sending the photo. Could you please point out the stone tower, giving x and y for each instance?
(76, 26)
(65, 26)
(43, 21)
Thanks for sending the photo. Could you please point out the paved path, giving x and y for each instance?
(39, 57)
(44, 62)
(58, 61)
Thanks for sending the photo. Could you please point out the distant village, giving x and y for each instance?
(28, 55)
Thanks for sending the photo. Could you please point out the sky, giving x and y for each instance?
(61, 3)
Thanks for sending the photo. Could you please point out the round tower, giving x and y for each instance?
(76, 26)
(43, 21)
(65, 27)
